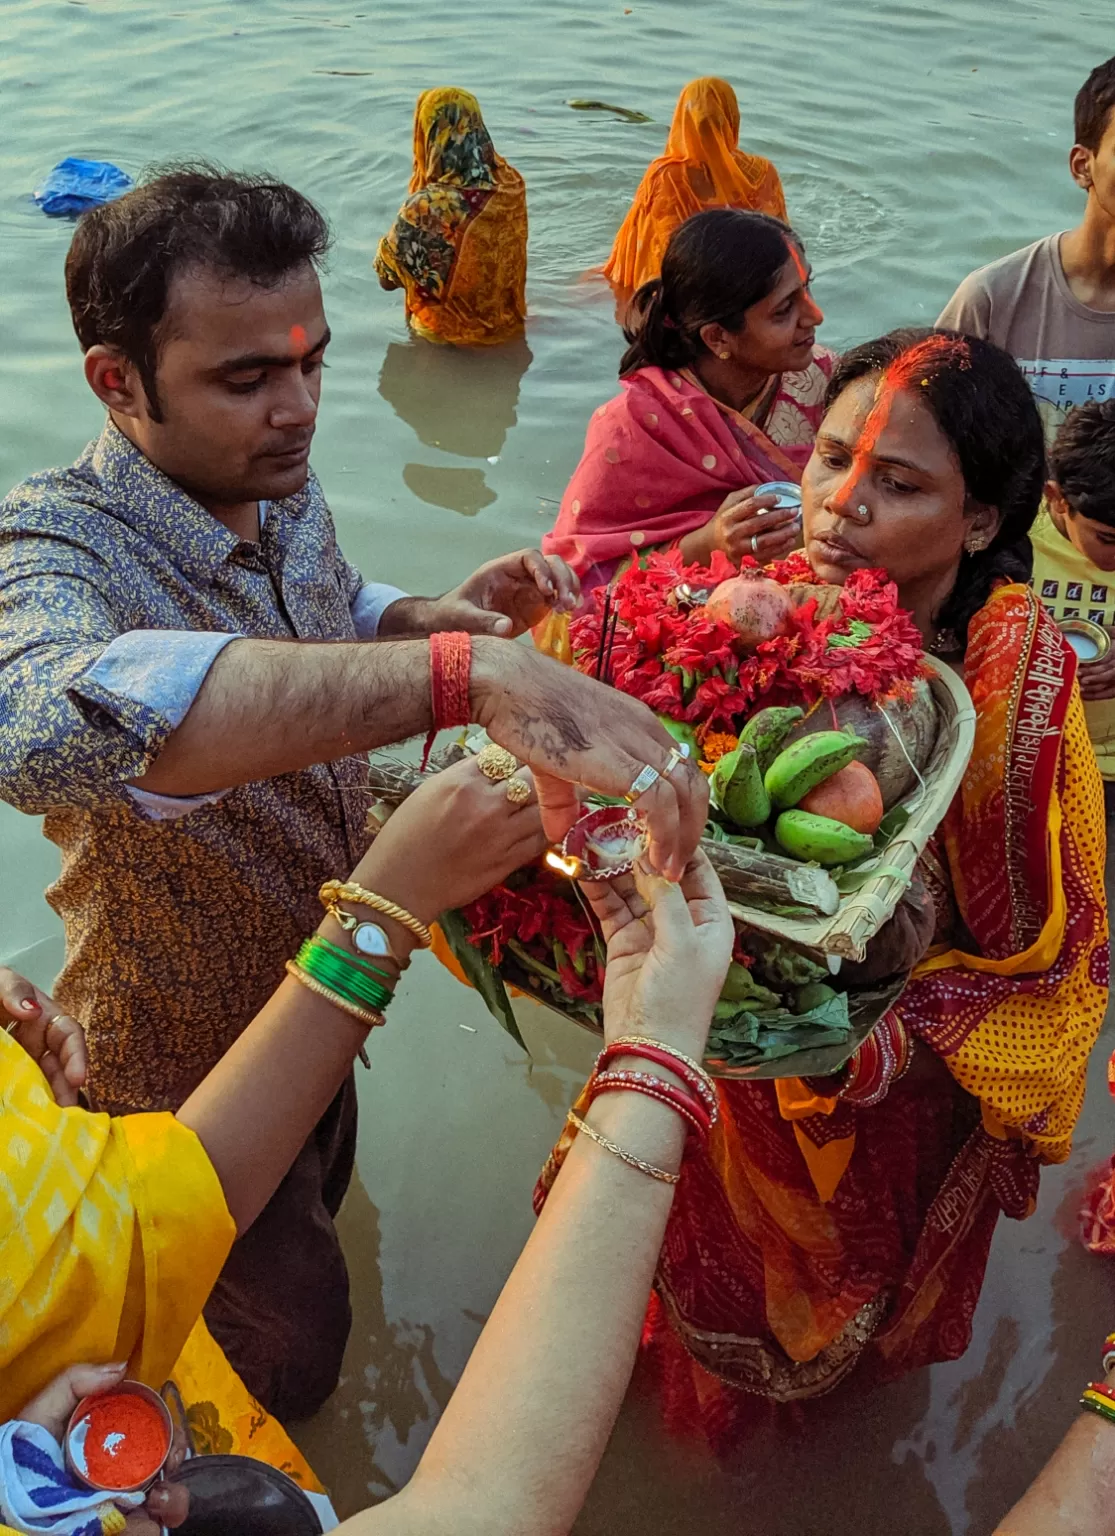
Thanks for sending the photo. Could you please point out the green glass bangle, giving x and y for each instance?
(347, 955)
(350, 983)
(369, 995)
(349, 961)
(1094, 1405)
(343, 975)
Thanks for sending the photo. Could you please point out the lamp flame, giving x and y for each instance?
(569, 867)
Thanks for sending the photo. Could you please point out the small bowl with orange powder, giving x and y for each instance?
(118, 1441)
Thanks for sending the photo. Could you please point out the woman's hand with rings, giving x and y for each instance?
(453, 839)
(49, 1036)
(747, 524)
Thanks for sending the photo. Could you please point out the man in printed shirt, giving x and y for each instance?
(1052, 304)
(168, 702)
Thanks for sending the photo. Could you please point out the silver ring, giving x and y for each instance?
(645, 779)
(677, 755)
(755, 544)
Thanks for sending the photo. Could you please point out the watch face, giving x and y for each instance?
(370, 939)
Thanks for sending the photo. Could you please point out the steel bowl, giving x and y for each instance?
(74, 1445)
(1091, 642)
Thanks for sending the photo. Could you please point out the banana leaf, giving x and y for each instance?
(482, 976)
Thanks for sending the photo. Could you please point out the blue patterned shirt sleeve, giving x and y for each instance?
(370, 604)
(65, 738)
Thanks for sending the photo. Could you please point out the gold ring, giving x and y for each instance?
(518, 791)
(677, 755)
(496, 763)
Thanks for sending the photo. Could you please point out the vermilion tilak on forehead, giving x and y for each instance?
(298, 337)
(798, 261)
(911, 369)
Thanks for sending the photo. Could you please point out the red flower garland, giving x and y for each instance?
(665, 650)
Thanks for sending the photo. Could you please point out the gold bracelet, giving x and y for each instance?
(334, 891)
(366, 1016)
(629, 1158)
(671, 1050)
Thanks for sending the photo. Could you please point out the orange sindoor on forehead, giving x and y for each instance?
(911, 369)
(799, 263)
(299, 338)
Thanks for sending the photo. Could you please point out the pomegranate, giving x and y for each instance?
(756, 607)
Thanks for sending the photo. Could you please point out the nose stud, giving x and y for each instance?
(862, 512)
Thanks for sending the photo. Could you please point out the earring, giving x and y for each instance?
(723, 356)
(975, 542)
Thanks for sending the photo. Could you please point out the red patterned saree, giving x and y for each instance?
(777, 1292)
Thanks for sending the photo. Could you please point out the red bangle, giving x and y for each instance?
(697, 1082)
(654, 1087)
(879, 1061)
(450, 669)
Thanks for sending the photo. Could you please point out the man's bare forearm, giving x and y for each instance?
(269, 707)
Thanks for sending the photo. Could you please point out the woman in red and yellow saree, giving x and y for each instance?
(722, 389)
(702, 167)
(825, 1232)
(458, 247)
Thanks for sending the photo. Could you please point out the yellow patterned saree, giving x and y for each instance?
(112, 1232)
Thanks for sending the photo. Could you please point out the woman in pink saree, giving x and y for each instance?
(722, 389)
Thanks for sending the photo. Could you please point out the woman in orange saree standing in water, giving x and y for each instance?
(841, 1226)
(458, 247)
(702, 167)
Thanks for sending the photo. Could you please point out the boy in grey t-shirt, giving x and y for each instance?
(1051, 305)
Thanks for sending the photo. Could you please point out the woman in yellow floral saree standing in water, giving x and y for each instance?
(825, 1231)
(458, 247)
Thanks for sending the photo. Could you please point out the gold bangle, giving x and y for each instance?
(671, 1050)
(366, 1016)
(629, 1158)
(334, 891)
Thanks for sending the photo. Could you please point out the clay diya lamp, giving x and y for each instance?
(118, 1441)
(602, 845)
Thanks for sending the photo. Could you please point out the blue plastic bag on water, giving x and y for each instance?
(75, 185)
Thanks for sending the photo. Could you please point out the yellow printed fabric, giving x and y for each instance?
(458, 247)
(1069, 586)
(112, 1233)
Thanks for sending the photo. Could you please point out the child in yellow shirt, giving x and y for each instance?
(1074, 555)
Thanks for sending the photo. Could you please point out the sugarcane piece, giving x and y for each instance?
(753, 877)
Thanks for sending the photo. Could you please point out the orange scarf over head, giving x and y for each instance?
(703, 167)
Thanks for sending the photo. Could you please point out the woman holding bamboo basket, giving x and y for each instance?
(841, 1224)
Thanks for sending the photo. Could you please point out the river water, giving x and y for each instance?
(914, 143)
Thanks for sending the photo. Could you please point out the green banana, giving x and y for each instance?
(767, 730)
(812, 996)
(741, 987)
(807, 762)
(683, 734)
(737, 788)
(820, 839)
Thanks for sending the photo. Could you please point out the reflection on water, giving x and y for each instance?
(461, 400)
(459, 490)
